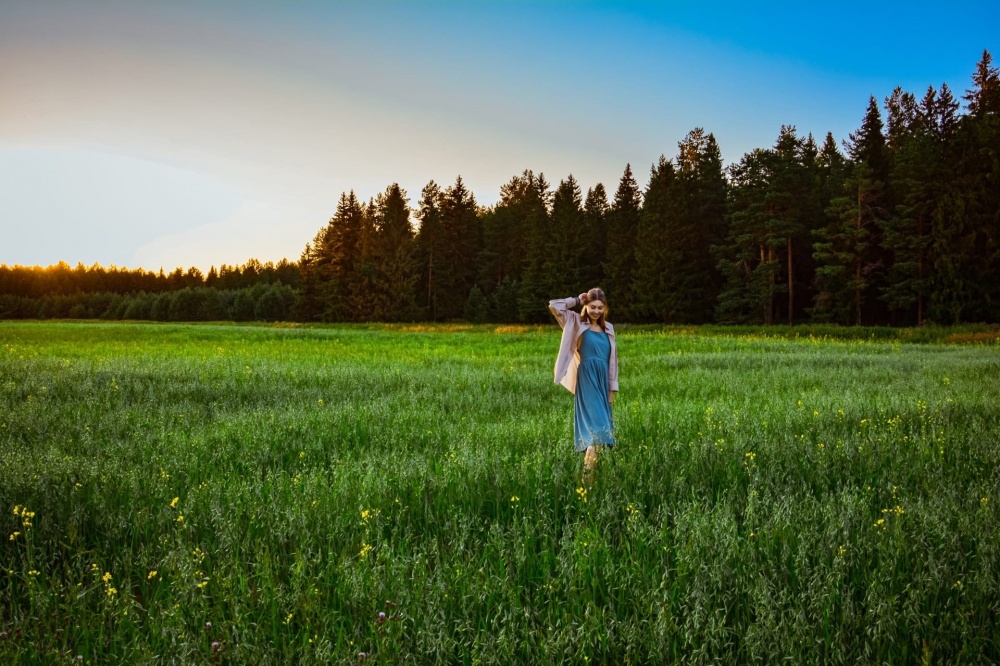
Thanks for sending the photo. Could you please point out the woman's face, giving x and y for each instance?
(594, 310)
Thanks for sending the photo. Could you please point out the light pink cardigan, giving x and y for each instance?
(573, 326)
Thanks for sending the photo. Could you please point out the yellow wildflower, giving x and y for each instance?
(152, 575)
(173, 502)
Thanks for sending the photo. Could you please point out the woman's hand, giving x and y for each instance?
(611, 397)
(583, 298)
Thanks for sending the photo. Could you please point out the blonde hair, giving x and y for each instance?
(597, 294)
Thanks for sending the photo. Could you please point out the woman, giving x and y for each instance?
(587, 366)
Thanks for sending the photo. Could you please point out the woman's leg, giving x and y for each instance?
(590, 463)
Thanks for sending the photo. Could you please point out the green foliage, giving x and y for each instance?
(568, 261)
(539, 242)
(271, 490)
(594, 236)
(652, 257)
(697, 222)
(775, 202)
(477, 307)
(917, 143)
(393, 294)
(622, 236)
(845, 251)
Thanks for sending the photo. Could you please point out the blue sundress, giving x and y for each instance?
(592, 419)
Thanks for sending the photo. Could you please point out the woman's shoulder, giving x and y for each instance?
(609, 327)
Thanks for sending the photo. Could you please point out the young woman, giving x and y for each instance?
(587, 366)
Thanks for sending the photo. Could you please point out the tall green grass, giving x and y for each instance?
(226, 494)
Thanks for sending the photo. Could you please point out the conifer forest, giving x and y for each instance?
(897, 224)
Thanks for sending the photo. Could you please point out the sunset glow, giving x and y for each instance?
(192, 134)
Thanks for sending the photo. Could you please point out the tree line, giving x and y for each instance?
(898, 225)
(248, 292)
(902, 227)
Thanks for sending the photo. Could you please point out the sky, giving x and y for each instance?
(187, 133)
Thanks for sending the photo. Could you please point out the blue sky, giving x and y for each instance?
(189, 133)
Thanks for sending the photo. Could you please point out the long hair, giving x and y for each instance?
(597, 294)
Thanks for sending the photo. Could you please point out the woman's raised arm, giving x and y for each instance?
(559, 306)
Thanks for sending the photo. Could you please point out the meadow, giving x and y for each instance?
(191, 494)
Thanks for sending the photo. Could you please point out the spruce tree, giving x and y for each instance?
(967, 228)
(307, 304)
(539, 243)
(429, 249)
(746, 259)
(786, 201)
(565, 262)
(508, 229)
(330, 265)
(698, 196)
(983, 98)
(459, 247)
(595, 236)
(847, 250)
(622, 230)
(651, 267)
(343, 251)
(394, 296)
(906, 234)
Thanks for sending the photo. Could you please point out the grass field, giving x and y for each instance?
(227, 494)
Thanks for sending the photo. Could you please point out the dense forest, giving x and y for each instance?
(899, 225)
